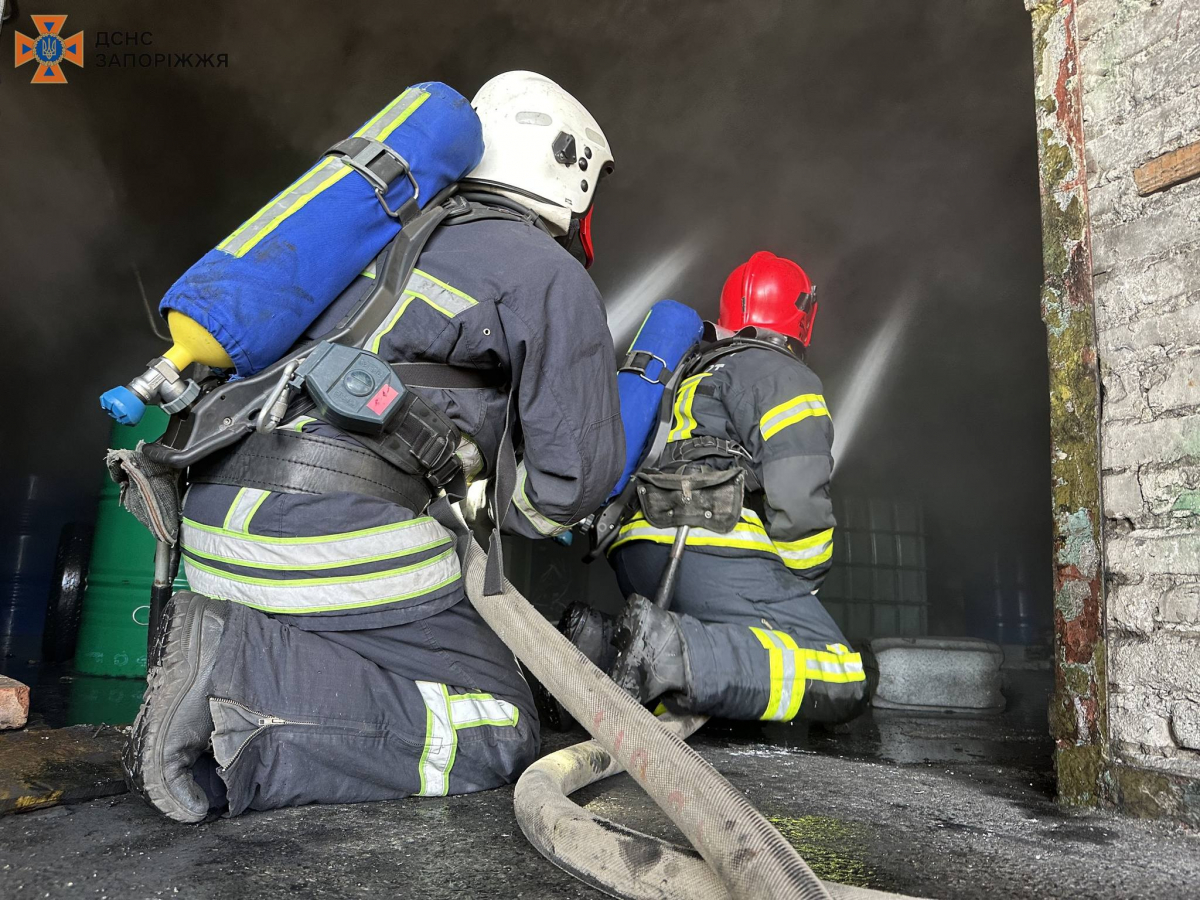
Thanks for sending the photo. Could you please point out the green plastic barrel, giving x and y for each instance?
(113, 701)
(112, 634)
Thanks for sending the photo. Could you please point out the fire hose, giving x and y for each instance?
(743, 855)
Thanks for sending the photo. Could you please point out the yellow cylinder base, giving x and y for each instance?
(194, 344)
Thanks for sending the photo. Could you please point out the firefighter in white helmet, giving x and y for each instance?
(370, 676)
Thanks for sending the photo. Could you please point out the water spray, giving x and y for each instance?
(864, 386)
(631, 303)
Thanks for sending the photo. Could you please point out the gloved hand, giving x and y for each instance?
(475, 511)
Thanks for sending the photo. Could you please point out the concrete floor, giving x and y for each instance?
(938, 807)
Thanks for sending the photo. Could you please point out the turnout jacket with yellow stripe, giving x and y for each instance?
(492, 295)
(773, 406)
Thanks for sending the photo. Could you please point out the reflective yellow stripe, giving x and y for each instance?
(300, 422)
(446, 299)
(835, 664)
(684, 422)
(792, 666)
(807, 553)
(542, 524)
(775, 655)
(748, 534)
(467, 298)
(327, 172)
(322, 176)
(795, 410)
(392, 116)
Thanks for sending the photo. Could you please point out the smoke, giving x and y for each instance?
(627, 307)
(866, 387)
(872, 142)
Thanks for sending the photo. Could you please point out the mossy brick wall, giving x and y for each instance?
(1140, 61)
(1118, 84)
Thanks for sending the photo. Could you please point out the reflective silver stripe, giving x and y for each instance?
(795, 410)
(438, 294)
(324, 174)
(389, 118)
(469, 710)
(298, 595)
(788, 659)
(542, 524)
(820, 665)
(445, 298)
(243, 508)
(325, 551)
(440, 740)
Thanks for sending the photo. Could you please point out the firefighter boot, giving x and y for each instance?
(591, 631)
(174, 725)
(651, 659)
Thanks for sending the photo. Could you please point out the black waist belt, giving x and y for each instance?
(297, 463)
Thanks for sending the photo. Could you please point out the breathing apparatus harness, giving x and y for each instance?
(405, 451)
(662, 456)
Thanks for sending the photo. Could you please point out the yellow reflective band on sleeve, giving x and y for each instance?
(685, 424)
(795, 410)
(542, 524)
(807, 553)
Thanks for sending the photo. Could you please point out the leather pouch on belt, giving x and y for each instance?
(695, 495)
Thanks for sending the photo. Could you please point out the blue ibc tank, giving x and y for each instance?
(260, 288)
(668, 332)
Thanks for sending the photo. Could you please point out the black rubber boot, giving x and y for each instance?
(174, 725)
(651, 660)
(592, 632)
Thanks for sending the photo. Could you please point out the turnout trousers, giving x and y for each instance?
(757, 644)
(431, 707)
(352, 666)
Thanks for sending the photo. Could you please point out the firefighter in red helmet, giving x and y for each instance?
(745, 636)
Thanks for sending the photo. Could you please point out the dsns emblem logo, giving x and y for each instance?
(49, 49)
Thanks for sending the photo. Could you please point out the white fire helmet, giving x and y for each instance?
(542, 148)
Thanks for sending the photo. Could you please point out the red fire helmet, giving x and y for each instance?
(770, 292)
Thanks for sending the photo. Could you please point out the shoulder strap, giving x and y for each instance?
(608, 521)
(229, 413)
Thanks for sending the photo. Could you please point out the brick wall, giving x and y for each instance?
(1140, 64)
